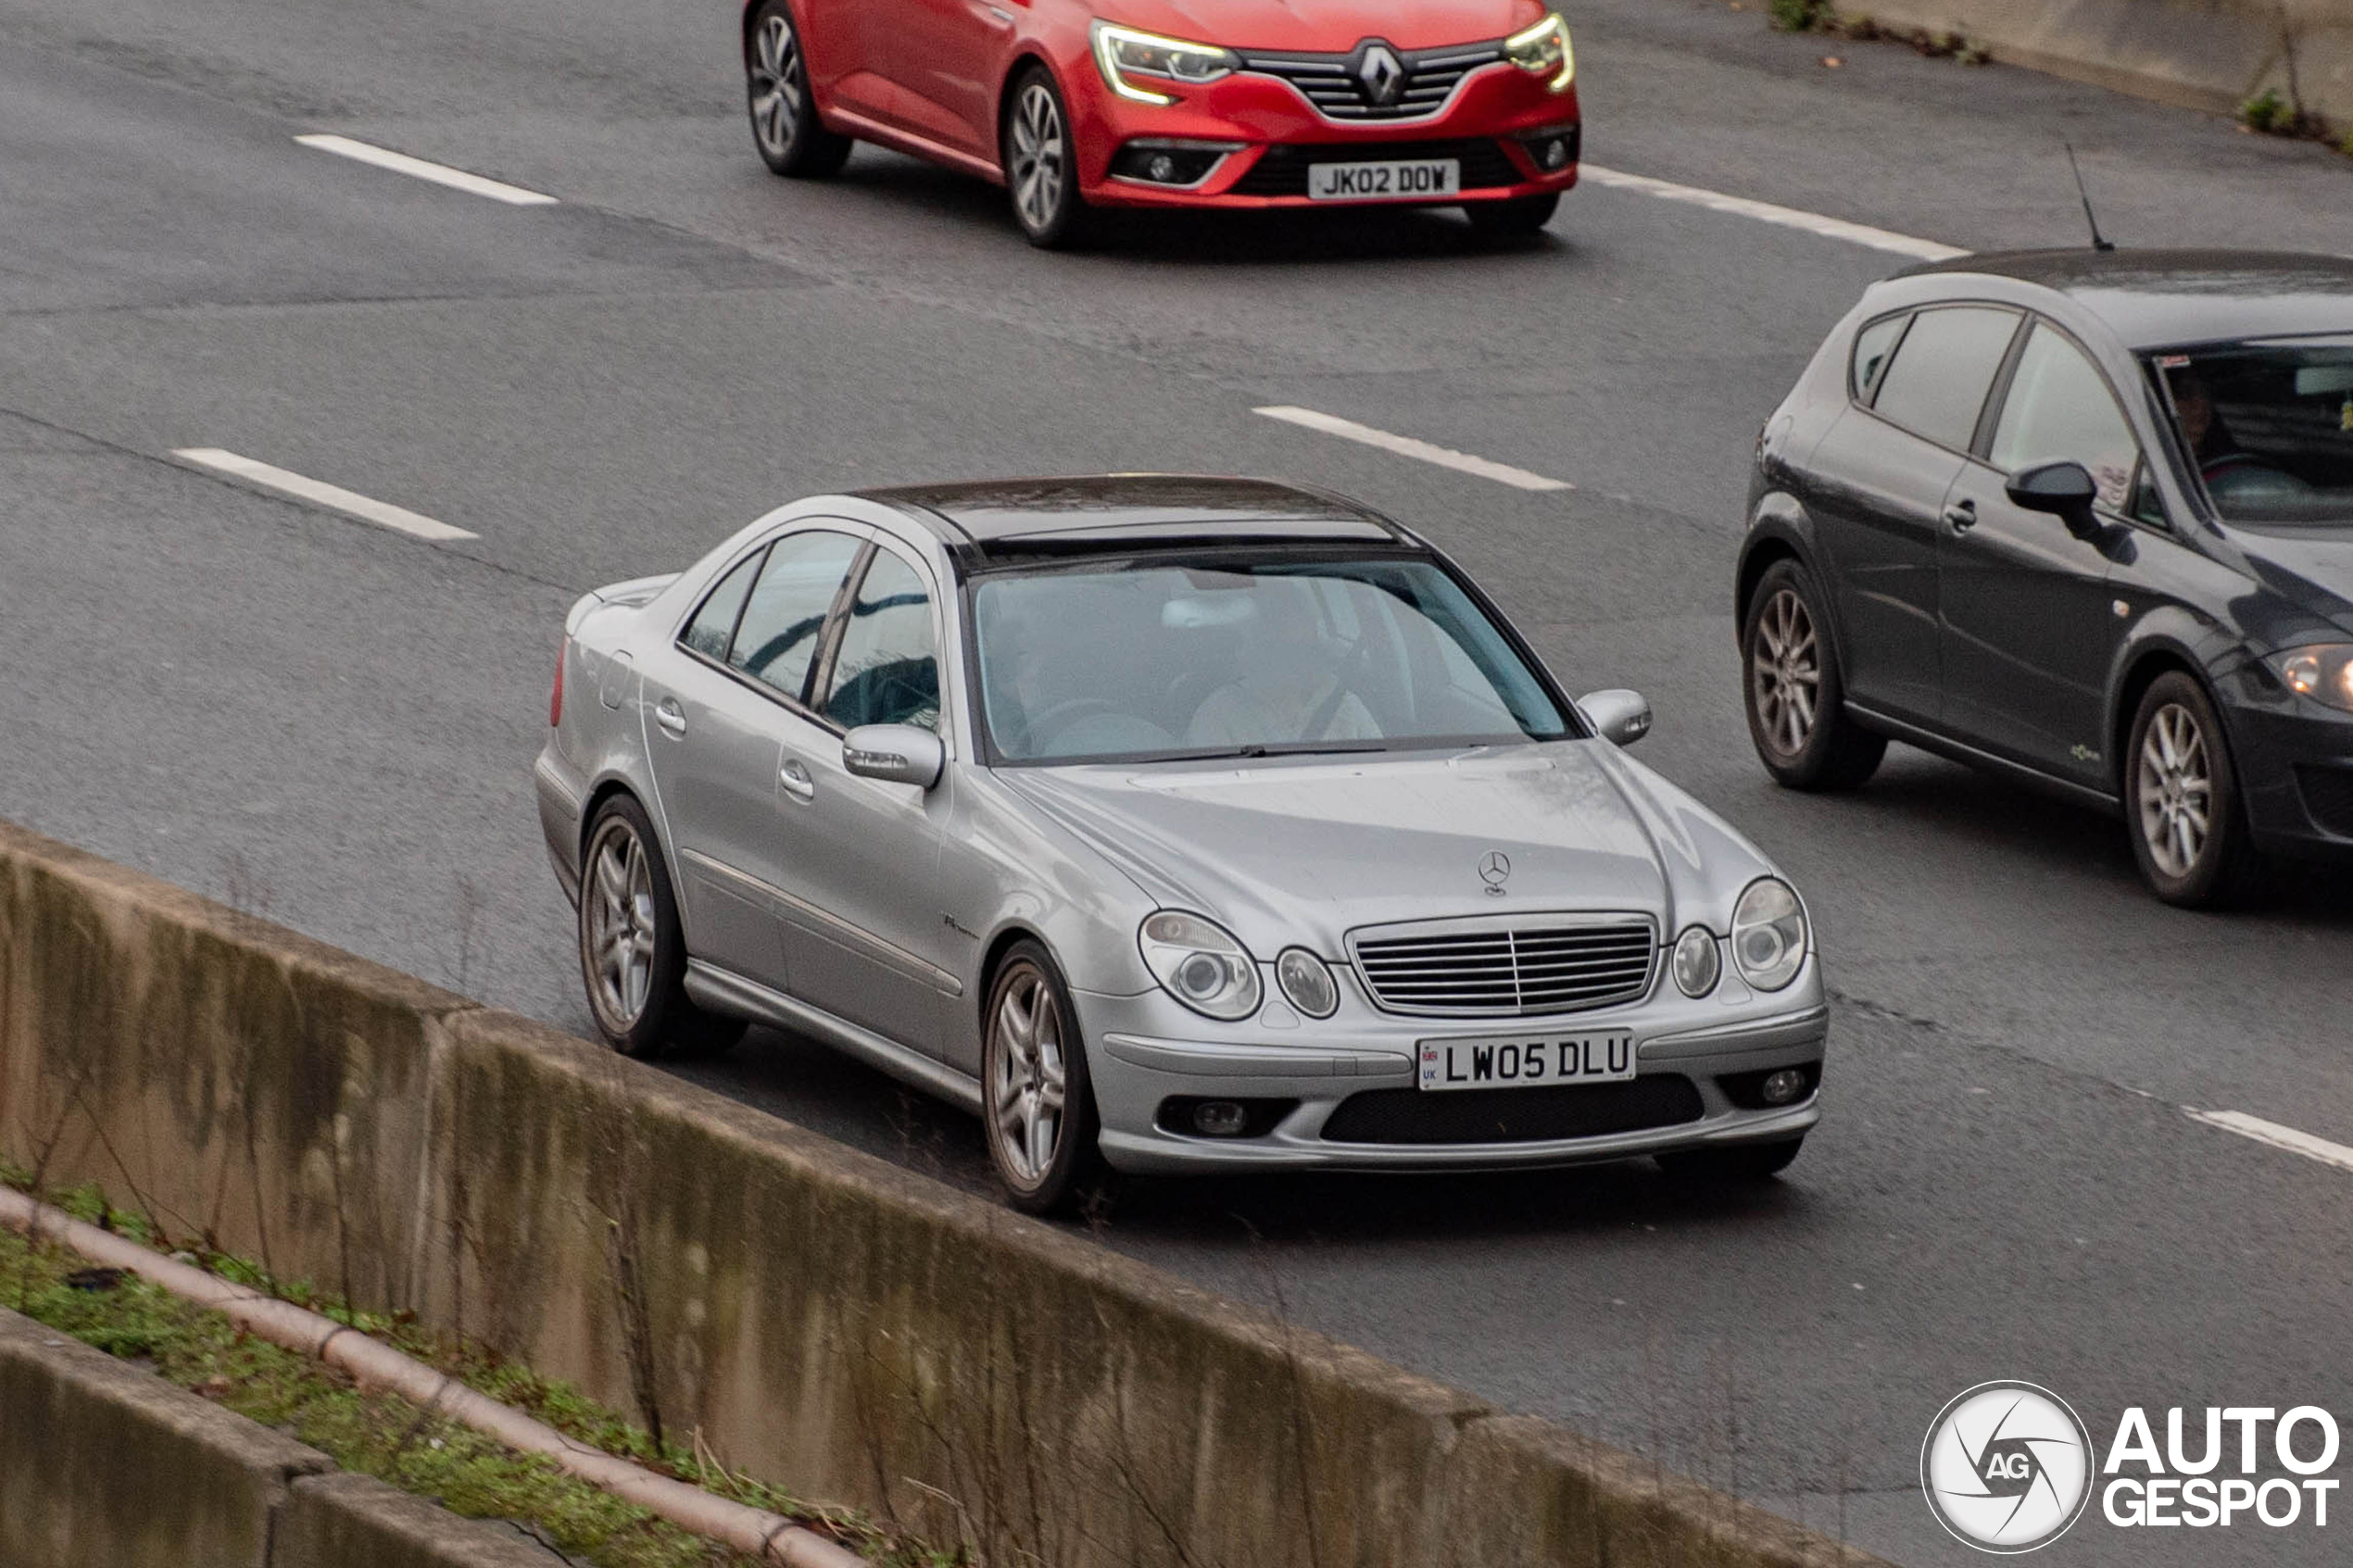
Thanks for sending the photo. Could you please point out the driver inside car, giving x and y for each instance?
(1292, 690)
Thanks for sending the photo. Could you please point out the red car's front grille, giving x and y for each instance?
(1332, 83)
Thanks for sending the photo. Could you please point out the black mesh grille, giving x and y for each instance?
(2328, 795)
(1471, 1116)
(1333, 84)
(1282, 171)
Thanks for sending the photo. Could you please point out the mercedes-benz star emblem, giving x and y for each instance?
(1381, 74)
(1495, 870)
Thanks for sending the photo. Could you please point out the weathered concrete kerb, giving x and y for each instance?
(844, 1329)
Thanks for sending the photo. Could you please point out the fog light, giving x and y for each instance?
(1552, 153)
(1782, 1087)
(1170, 161)
(1220, 1118)
(1162, 168)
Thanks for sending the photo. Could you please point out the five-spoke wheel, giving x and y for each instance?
(1797, 714)
(632, 952)
(1039, 1107)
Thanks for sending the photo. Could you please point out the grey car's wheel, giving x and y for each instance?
(1037, 1102)
(1520, 217)
(1040, 163)
(1733, 1162)
(632, 952)
(792, 140)
(2181, 797)
(1796, 696)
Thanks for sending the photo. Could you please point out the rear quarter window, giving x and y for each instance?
(1936, 385)
(1873, 345)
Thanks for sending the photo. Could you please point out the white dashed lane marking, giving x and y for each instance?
(332, 496)
(2272, 1133)
(1407, 446)
(417, 168)
(1766, 212)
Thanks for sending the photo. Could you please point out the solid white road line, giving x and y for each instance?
(439, 173)
(1405, 445)
(334, 496)
(1766, 212)
(2272, 1133)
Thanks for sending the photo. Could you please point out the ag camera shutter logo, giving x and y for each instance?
(2006, 1467)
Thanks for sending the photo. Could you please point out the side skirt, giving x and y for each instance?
(724, 991)
(1969, 755)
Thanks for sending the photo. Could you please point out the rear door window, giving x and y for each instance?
(2060, 409)
(1936, 385)
(784, 620)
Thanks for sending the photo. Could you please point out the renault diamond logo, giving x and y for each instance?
(1495, 870)
(1381, 74)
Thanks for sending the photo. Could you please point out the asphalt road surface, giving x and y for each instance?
(331, 722)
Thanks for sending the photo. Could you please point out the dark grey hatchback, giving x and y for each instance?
(2081, 518)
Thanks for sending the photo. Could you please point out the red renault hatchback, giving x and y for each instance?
(1079, 104)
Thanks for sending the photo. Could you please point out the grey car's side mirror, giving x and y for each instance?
(2065, 490)
(899, 753)
(1622, 717)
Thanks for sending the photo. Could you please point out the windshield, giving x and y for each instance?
(1238, 655)
(2269, 425)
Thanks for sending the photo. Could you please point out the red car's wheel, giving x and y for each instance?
(792, 140)
(1039, 158)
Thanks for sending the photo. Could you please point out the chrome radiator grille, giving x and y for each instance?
(1326, 82)
(1490, 969)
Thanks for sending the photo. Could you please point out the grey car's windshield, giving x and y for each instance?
(2269, 425)
(1244, 655)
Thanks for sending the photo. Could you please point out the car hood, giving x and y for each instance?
(2312, 567)
(1305, 849)
(1331, 26)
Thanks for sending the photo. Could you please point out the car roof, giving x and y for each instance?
(2166, 299)
(1113, 510)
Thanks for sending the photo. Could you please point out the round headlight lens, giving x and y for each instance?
(1199, 963)
(1697, 962)
(1769, 934)
(1307, 981)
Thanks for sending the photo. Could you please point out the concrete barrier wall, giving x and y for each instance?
(2201, 54)
(103, 1463)
(835, 1326)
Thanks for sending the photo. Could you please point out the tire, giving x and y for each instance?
(1036, 151)
(1733, 1162)
(792, 140)
(1516, 218)
(1793, 691)
(1037, 1103)
(633, 951)
(2182, 802)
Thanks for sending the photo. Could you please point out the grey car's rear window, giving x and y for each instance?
(1942, 370)
(1243, 655)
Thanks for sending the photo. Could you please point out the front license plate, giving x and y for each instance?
(1405, 177)
(1493, 1062)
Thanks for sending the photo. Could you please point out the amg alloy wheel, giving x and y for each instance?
(2181, 796)
(1038, 1104)
(1041, 171)
(632, 952)
(1796, 696)
(784, 125)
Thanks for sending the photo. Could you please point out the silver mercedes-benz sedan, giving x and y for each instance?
(1177, 824)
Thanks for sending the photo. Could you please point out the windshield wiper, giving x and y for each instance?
(1289, 748)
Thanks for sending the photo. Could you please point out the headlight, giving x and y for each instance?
(1543, 50)
(1769, 934)
(1122, 52)
(1306, 980)
(1199, 963)
(1697, 963)
(2322, 672)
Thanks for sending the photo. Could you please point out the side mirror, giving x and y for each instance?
(1622, 717)
(2064, 490)
(897, 753)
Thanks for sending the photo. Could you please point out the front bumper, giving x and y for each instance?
(2294, 760)
(1272, 133)
(1146, 1050)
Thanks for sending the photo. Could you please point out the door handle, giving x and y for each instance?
(795, 781)
(670, 717)
(1961, 516)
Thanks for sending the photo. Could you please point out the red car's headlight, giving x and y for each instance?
(1543, 50)
(1124, 55)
